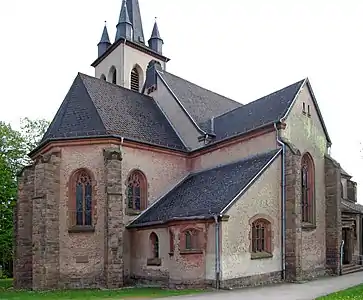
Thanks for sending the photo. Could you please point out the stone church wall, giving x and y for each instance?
(262, 199)
(82, 253)
(23, 269)
(305, 132)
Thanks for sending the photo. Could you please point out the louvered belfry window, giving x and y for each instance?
(135, 83)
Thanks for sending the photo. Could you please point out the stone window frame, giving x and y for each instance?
(143, 193)
(196, 235)
(171, 242)
(72, 226)
(308, 205)
(154, 246)
(269, 237)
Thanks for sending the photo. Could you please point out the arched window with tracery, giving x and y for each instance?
(154, 244)
(307, 189)
(135, 80)
(136, 191)
(82, 198)
(261, 236)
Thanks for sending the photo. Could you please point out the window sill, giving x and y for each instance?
(153, 262)
(308, 226)
(260, 255)
(79, 229)
(132, 212)
(191, 251)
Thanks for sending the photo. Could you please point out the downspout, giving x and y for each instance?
(283, 204)
(217, 251)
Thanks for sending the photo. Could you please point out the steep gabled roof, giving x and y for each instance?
(264, 111)
(94, 107)
(207, 193)
(200, 103)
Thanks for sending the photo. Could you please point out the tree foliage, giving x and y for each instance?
(14, 147)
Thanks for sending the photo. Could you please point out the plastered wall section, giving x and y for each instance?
(237, 151)
(176, 116)
(124, 58)
(263, 197)
(307, 134)
(89, 245)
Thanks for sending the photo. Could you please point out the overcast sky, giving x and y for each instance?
(241, 49)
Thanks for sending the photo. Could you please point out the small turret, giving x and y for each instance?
(155, 41)
(124, 26)
(104, 42)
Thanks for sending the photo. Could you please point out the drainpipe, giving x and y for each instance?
(283, 205)
(217, 251)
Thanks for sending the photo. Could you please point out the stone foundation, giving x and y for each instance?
(95, 281)
(253, 280)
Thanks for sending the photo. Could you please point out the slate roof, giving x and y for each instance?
(264, 111)
(200, 103)
(94, 107)
(207, 193)
(351, 206)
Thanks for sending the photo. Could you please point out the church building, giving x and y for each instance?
(145, 177)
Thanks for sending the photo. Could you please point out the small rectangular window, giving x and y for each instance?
(309, 111)
(304, 111)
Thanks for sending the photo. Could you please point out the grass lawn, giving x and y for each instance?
(6, 293)
(353, 293)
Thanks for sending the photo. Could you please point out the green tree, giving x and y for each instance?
(14, 147)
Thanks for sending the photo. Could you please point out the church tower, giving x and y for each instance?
(125, 61)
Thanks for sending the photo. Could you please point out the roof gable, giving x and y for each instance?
(308, 85)
(200, 103)
(207, 193)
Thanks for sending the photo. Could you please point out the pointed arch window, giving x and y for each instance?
(135, 80)
(154, 259)
(154, 242)
(114, 76)
(103, 77)
(136, 191)
(307, 189)
(82, 203)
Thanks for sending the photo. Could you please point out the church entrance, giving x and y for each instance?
(347, 249)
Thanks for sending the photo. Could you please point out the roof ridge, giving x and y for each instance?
(260, 98)
(202, 87)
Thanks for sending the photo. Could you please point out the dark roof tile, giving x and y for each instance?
(95, 107)
(200, 103)
(264, 111)
(206, 193)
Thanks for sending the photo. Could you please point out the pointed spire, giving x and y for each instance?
(155, 33)
(124, 14)
(155, 41)
(104, 42)
(105, 38)
(124, 26)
